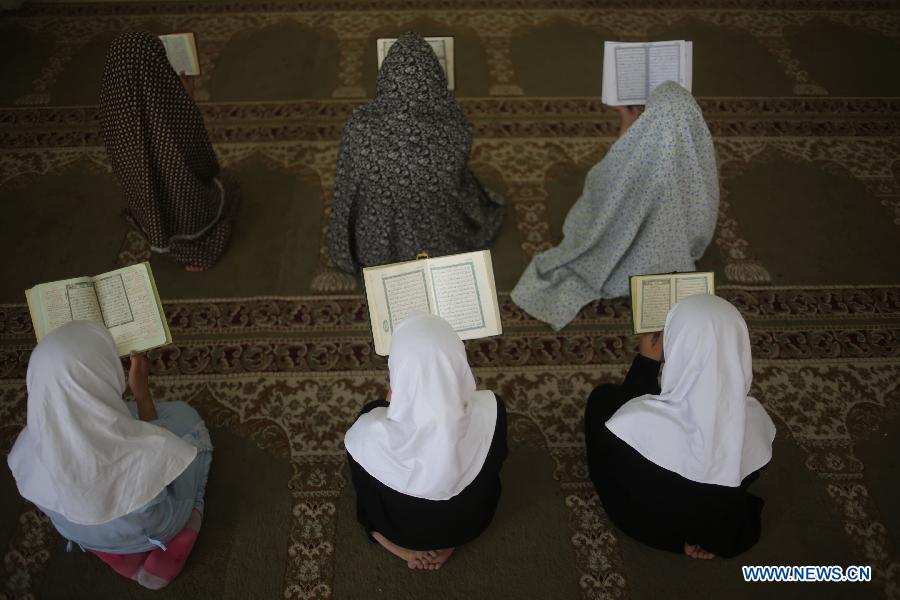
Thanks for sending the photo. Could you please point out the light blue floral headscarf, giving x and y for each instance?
(649, 206)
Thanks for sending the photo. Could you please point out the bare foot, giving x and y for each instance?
(398, 551)
(427, 560)
(419, 561)
(435, 559)
(695, 551)
(191, 269)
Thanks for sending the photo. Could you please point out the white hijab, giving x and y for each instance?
(433, 439)
(82, 454)
(703, 425)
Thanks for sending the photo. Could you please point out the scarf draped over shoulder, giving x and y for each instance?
(703, 425)
(161, 154)
(650, 206)
(432, 440)
(81, 453)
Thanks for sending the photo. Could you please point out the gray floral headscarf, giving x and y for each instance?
(403, 184)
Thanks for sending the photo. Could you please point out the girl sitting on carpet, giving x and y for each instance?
(426, 462)
(649, 206)
(402, 183)
(672, 464)
(124, 481)
(160, 152)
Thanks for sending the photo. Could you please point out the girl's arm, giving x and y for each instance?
(139, 381)
(627, 116)
(643, 376)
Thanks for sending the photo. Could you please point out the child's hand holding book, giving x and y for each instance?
(651, 346)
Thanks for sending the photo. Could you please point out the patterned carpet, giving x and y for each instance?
(273, 345)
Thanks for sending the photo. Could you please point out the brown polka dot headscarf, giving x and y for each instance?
(161, 154)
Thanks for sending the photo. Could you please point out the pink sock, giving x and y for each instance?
(162, 566)
(126, 565)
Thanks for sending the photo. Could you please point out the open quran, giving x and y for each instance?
(458, 288)
(652, 296)
(125, 301)
(181, 50)
(631, 71)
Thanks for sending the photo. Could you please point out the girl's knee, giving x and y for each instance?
(179, 417)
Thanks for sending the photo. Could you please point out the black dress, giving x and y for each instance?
(419, 524)
(655, 506)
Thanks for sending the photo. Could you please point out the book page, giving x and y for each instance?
(692, 283)
(382, 46)
(465, 294)
(688, 82)
(113, 300)
(654, 302)
(59, 302)
(393, 292)
(83, 302)
(608, 82)
(181, 50)
(664, 61)
(456, 296)
(405, 294)
(443, 49)
(631, 73)
(130, 308)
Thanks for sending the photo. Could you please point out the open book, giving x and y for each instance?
(181, 50)
(653, 295)
(124, 300)
(443, 49)
(459, 288)
(632, 71)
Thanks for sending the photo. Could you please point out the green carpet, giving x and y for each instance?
(524, 554)
(248, 495)
(273, 346)
(794, 535)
